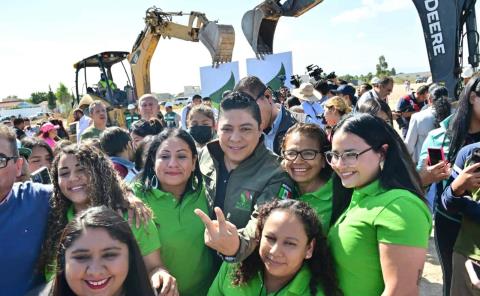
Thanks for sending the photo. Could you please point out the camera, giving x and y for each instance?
(315, 72)
(295, 80)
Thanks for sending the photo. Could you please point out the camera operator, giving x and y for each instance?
(409, 104)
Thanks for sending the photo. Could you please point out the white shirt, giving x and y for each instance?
(421, 123)
(82, 125)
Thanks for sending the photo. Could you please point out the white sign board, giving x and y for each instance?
(272, 69)
(215, 81)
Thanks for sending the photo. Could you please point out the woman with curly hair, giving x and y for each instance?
(83, 177)
(292, 258)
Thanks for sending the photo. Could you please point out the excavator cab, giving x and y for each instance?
(259, 24)
(103, 88)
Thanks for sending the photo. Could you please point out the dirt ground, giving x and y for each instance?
(432, 282)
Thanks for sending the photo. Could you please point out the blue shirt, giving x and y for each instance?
(23, 221)
(270, 137)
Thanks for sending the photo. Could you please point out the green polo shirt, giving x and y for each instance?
(375, 215)
(298, 286)
(146, 236)
(321, 202)
(181, 233)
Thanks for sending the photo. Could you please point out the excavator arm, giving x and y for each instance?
(443, 22)
(219, 40)
(259, 24)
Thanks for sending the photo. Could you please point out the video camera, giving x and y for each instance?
(315, 72)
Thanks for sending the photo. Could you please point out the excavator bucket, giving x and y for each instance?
(259, 24)
(219, 40)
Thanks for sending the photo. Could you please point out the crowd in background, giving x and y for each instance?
(324, 189)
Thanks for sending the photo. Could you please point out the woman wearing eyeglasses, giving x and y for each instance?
(379, 242)
(302, 150)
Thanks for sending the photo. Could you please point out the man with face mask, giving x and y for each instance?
(201, 124)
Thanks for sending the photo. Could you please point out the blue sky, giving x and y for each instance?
(41, 40)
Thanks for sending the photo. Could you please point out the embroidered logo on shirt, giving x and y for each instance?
(245, 201)
(285, 192)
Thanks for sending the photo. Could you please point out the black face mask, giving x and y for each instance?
(201, 133)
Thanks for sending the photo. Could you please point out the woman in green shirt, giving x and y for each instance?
(302, 150)
(84, 177)
(380, 241)
(292, 257)
(171, 184)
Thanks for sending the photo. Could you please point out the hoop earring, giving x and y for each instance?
(154, 182)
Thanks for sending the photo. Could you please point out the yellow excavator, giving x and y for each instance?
(219, 40)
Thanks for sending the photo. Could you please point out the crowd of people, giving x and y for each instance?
(313, 191)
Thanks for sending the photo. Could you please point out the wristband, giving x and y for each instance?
(228, 259)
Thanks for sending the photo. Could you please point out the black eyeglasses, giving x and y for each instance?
(348, 158)
(4, 160)
(307, 154)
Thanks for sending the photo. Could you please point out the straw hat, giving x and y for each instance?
(306, 92)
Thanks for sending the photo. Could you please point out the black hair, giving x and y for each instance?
(422, 90)
(317, 134)
(61, 131)
(240, 101)
(367, 86)
(31, 143)
(251, 85)
(144, 128)
(441, 104)
(148, 174)
(322, 86)
(321, 263)
(458, 127)
(206, 99)
(18, 121)
(141, 150)
(373, 106)
(137, 280)
(196, 97)
(114, 140)
(293, 101)
(398, 171)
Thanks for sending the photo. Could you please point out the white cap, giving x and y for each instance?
(168, 104)
(131, 106)
(467, 71)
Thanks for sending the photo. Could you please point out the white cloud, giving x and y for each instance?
(370, 9)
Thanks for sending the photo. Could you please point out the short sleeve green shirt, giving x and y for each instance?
(374, 216)
(181, 233)
(321, 202)
(298, 286)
